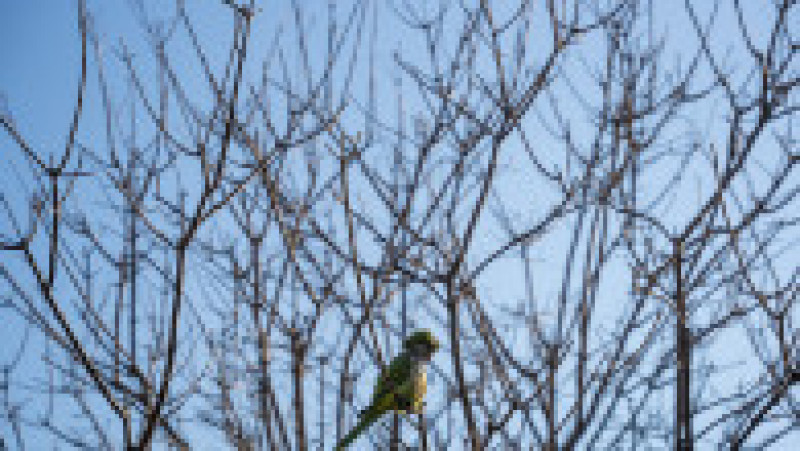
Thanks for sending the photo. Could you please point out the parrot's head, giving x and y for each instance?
(421, 344)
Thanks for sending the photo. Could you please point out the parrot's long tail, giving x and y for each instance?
(369, 416)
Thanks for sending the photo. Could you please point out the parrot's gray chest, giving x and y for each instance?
(419, 375)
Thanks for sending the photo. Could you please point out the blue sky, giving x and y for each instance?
(39, 71)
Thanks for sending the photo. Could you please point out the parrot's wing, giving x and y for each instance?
(393, 384)
(393, 377)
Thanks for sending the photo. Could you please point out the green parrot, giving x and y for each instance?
(401, 386)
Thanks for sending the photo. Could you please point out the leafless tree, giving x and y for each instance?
(585, 206)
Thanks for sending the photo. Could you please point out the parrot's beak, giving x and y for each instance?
(433, 346)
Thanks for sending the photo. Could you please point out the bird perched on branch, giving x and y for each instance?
(401, 386)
